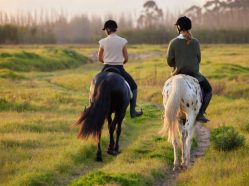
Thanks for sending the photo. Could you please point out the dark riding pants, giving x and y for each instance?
(124, 74)
(206, 87)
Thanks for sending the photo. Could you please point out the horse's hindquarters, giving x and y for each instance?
(182, 101)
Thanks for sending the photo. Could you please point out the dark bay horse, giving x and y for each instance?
(109, 93)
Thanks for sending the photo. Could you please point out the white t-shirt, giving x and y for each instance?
(113, 49)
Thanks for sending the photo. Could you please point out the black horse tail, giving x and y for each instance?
(93, 117)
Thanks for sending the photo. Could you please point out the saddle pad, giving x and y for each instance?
(127, 84)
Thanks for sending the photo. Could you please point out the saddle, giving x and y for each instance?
(116, 70)
(198, 80)
(112, 69)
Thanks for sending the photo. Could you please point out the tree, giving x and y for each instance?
(220, 14)
(8, 34)
(151, 15)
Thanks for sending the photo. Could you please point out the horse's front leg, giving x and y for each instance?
(99, 153)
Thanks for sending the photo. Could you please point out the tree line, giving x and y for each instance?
(217, 21)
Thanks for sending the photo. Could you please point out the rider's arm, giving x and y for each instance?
(171, 56)
(101, 55)
(125, 54)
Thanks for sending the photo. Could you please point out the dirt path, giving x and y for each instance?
(203, 137)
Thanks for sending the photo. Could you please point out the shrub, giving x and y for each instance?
(226, 138)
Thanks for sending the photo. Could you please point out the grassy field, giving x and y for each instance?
(44, 88)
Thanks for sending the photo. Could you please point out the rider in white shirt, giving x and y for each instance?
(113, 53)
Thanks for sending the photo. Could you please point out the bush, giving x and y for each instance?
(226, 138)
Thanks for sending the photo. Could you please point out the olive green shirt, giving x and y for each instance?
(184, 58)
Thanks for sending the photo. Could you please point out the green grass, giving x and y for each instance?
(49, 59)
(104, 178)
(44, 88)
(145, 161)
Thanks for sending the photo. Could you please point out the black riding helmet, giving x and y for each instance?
(110, 24)
(183, 23)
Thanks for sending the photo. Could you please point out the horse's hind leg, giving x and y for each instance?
(118, 131)
(183, 145)
(99, 153)
(176, 159)
(111, 127)
(188, 145)
(189, 131)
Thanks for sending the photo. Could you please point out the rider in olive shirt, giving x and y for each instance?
(184, 56)
(113, 53)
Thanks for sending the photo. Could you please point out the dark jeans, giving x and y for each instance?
(124, 74)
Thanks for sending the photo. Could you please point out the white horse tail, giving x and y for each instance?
(172, 106)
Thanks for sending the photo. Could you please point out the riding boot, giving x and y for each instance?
(200, 117)
(133, 101)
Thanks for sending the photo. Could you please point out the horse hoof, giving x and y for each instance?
(111, 152)
(176, 168)
(117, 151)
(184, 167)
(99, 159)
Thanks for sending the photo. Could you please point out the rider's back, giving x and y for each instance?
(185, 58)
(113, 49)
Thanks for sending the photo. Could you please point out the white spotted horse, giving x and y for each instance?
(109, 93)
(182, 101)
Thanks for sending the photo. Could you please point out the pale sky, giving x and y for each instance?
(97, 7)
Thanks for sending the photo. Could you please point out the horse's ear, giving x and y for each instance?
(85, 109)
